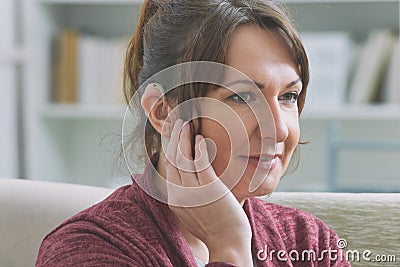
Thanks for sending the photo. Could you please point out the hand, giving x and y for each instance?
(221, 224)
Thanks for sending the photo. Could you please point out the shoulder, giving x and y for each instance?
(293, 225)
(284, 214)
(124, 204)
(110, 231)
(126, 207)
(299, 234)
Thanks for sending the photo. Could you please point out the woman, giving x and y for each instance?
(184, 211)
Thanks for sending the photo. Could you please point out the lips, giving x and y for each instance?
(264, 161)
(263, 156)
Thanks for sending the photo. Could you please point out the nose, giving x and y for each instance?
(275, 119)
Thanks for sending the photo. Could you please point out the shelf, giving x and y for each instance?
(80, 112)
(373, 112)
(12, 56)
(75, 142)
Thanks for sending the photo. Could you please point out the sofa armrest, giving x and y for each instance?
(31, 209)
(366, 221)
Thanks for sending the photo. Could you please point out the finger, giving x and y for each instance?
(170, 157)
(166, 134)
(184, 159)
(204, 170)
(167, 128)
(169, 123)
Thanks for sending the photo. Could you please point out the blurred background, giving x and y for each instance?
(61, 105)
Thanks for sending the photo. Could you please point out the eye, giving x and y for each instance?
(242, 97)
(289, 98)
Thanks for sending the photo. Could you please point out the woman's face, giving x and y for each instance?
(265, 59)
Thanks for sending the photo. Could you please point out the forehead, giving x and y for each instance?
(260, 53)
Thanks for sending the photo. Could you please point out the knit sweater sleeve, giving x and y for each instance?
(84, 244)
(285, 236)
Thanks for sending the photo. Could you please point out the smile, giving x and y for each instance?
(267, 162)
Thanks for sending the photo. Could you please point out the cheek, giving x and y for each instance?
(293, 138)
(229, 132)
(217, 133)
(295, 129)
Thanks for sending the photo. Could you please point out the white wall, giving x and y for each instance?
(8, 92)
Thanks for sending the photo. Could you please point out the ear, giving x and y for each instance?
(155, 106)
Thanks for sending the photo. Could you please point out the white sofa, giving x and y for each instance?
(30, 209)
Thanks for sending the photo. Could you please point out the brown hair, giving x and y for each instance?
(170, 32)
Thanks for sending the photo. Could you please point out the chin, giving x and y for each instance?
(241, 190)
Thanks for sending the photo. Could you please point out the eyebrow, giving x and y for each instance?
(260, 85)
(293, 83)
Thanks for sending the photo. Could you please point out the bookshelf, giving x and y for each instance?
(13, 56)
(383, 112)
(83, 112)
(65, 142)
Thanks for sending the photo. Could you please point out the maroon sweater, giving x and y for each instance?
(130, 228)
